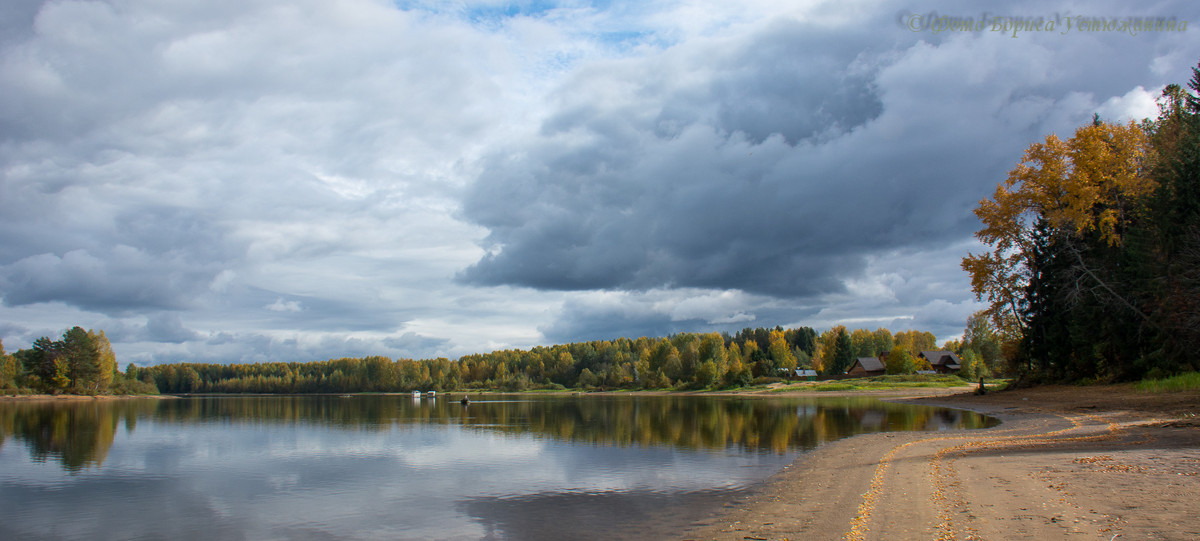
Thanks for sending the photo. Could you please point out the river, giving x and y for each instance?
(397, 467)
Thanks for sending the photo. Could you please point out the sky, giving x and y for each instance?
(255, 180)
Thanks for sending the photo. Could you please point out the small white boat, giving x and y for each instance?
(416, 394)
(431, 394)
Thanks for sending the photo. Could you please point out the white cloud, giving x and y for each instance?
(1135, 105)
(284, 306)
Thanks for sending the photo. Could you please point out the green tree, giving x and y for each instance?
(781, 352)
(883, 341)
(44, 365)
(1166, 260)
(706, 375)
(106, 362)
(82, 358)
(900, 361)
(8, 369)
(980, 336)
(825, 349)
(689, 360)
(712, 348)
(843, 354)
(672, 364)
(802, 359)
(915, 341)
(973, 366)
(804, 338)
(587, 379)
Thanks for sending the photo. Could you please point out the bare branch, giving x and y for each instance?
(1100, 283)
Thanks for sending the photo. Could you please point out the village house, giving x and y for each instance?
(867, 366)
(943, 362)
(798, 373)
(806, 374)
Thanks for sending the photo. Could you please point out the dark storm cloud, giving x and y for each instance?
(776, 162)
(107, 281)
(252, 347)
(662, 312)
(168, 327)
(795, 80)
(154, 257)
(7, 328)
(611, 202)
(581, 322)
(16, 19)
(413, 342)
(309, 313)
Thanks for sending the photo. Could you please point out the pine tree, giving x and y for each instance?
(843, 354)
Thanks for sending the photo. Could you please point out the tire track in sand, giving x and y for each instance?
(941, 474)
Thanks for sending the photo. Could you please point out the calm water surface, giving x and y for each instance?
(395, 467)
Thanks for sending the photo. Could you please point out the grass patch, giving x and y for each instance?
(837, 386)
(1183, 382)
(907, 381)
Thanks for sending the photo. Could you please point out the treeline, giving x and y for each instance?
(681, 361)
(81, 362)
(1094, 268)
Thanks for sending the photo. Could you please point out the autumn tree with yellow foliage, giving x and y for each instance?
(1089, 183)
(1077, 273)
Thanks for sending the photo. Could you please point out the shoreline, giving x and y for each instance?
(761, 392)
(1092, 462)
(79, 397)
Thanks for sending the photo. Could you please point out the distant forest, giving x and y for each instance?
(681, 361)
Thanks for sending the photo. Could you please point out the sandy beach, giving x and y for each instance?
(1099, 462)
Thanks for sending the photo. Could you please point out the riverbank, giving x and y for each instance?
(76, 397)
(1098, 462)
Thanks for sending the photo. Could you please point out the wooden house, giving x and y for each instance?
(943, 362)
(867, 366)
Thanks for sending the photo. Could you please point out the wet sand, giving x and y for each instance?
(1098, 462)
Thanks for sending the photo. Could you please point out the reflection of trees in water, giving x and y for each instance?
(79, 434)
(764, 425)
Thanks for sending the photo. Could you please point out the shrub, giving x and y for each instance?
(1183, 382)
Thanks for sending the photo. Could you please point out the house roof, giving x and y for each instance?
(870, 364)
(942, 358)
